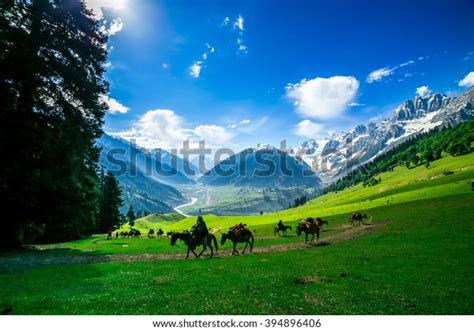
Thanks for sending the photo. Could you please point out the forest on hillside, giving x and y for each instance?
(417, 151)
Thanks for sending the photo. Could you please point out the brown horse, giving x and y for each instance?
(191, 243)
(308, 228)
(242, 236)
(357, 217)
(320, 222)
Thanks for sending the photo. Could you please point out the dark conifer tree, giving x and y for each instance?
(52, 56)
(109, 216)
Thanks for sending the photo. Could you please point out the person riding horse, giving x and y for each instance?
(199, 230)
(280, 224)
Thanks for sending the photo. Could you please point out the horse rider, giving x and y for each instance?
(199, 230)
(280, 224)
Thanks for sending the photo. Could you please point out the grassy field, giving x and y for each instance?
(414, 258)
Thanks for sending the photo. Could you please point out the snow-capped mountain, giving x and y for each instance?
(261, 166)
(331, 158)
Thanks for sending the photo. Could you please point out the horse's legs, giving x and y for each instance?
(203, 249)
(246, 244)
(187, 253)
(235, 250)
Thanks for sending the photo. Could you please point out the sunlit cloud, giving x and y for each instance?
(115, 107)
(323, 98)
(468, 80)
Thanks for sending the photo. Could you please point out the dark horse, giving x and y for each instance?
(244, 236)
(283, 229)
(357, 217)
(308, 228)
(186, 237)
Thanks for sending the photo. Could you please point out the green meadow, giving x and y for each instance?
(413, 256)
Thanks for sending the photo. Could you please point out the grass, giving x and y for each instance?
(418, 262)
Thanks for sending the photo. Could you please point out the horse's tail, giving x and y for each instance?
(213, 237)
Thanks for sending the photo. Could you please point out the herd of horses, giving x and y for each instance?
(309, 226)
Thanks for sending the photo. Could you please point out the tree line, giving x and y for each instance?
(52, 60)
(417, 151)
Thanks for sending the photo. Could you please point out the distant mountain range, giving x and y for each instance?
(263, 166)
(331, 158)
(143, 187)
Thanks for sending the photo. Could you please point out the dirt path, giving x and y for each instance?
(36, 259)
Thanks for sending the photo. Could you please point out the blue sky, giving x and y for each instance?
(238, 73)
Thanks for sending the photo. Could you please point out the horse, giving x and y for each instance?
(243, 236)
(320, 222)
(308, 228)
(357, 217)
(134, 233)
(283, 229)
(186, 237)
(159, 233)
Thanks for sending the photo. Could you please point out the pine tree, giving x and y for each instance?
(109, 216)
(131, 216)
(52, 56)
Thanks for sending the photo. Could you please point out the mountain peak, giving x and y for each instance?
(263, 147)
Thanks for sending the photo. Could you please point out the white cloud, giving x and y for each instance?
(323, 98)
(356, 104)
(378, 74)
(308, 129)
(244, 121)
(159, 128)
(242, 48)
(114, 106)
(404, 64)
(213, 134)
(97, 5)
(226, 21)
(163, 128)
(423, 91)
(238, 29)
(195, 69)
(115, 26)
(232, 126)
(468, 80)
(239, 23)
(165, 66)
